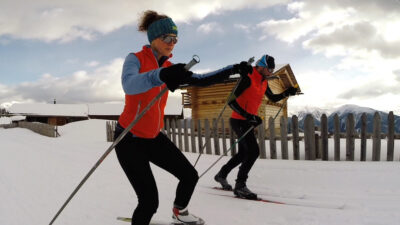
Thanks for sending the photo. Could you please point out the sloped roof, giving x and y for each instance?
(173, 107)
(39, 109)
(105, 109)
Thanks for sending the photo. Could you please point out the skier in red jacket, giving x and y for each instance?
(245, 102)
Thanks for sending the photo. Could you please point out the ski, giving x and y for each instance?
(288, 201)
(153, 222)
(259, 192)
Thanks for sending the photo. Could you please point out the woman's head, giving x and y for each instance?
(161, 31)
(266, 65)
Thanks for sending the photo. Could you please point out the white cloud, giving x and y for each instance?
(363, 35)
(243, 27)
(67, 20)
(325, 89)
(102, 85)
(92, 64)
(332, 27)
(210, 28)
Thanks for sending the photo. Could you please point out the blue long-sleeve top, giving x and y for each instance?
(134, 82)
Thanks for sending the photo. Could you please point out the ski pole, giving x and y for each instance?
(250, 61)
(252, 127)
(194, 61)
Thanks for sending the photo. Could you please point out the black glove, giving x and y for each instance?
(243, 68)
(254, 120)
(174, 75)
(290, 91)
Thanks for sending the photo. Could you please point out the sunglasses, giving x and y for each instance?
(271, 70)
(168, 39)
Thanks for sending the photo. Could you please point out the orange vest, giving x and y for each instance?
(250, 99)
(153, 120)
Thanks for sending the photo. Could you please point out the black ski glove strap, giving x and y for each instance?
(290, 91)
(174, 75)
(254, 120)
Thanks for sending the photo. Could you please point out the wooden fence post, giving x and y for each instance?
(376, 140)
(223, 136)
(207, 136)
(179, 123)
(350, 137)
(216, 137)
(167, 128)
(193, 135)
(173, 128)
(272, 140)
(363, 137)
(185, 134)
(108, 131)
(336, 137)
(295, 135)
(232, 140)
(309, 137)
(163, 129)
(199, 136)
(284, 141)
(261, 140)
(390, 137)
(318, 153)
(324, 137)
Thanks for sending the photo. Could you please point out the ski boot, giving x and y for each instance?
(241, 191)
(183, 217)
(222, 180)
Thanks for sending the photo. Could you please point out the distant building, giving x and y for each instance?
(53, 114)
(60, 114)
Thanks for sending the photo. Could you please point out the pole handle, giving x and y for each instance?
(194, 61)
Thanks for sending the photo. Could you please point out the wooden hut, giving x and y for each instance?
(207, 102)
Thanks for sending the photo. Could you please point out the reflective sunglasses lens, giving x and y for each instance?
(270, 70)
(169, 39)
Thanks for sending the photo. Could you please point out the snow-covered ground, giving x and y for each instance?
(38, 173)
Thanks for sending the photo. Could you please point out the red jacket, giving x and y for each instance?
(251, 98)
(153, 120)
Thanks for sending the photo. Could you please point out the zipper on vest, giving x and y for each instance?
(159, 111)
(137, 111)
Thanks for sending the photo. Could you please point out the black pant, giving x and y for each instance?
(135, 154)
(247, 154)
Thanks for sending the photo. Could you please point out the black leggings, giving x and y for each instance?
(135, 154)
(247, 154)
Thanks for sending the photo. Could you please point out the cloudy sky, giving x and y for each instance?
(342, 52)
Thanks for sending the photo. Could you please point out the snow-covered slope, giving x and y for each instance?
(38, 173)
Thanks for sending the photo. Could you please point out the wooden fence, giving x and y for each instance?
(40, 128)
(313, 144)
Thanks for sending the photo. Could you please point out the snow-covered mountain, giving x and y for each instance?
(343, 112)
(315, 112)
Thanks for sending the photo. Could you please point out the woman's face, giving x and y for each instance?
(265, 71)
(164, 44)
